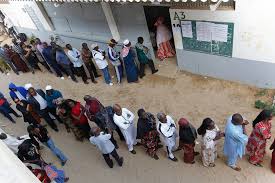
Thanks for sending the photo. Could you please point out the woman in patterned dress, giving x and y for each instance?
(210, 134)
(257, 140)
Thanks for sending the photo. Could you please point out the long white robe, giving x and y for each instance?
(13, 142)
(168, 134)
(126, 124)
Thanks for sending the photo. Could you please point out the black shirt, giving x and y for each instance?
(27, 151)
(187, 135)
(42, 136)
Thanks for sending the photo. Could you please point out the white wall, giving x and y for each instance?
(254, 28)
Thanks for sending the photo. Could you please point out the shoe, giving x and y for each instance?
(156, 157)
(159, 146)
(18, 116)
(56, 129)
(69, 77)
(97, 76)
(110, 164)
(138, 144)
(9, 74)
(66, 179)
(116, 146)
(133, 152)
(63, 163)
(111, 84)
(86, 82)
(155, 71)
(173, 159)
(120, 162)
(196, 153)
(236, 168)
(94, 82)
(75, 81)
(62, 78)
(13, 121)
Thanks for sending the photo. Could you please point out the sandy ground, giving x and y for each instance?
(174, 92)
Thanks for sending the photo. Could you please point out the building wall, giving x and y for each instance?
(253, 60)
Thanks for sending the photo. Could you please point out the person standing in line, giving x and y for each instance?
(144, 57)
(41, 133)
(30, 57)
(235, 140)
(47, 54)
(102, 116)
(188, 136)
(210, 134)
(14, 60)
(17, 92)
(64, 62)
(257, 140)
(37, 100)
(39, 55)
(6, 63)
(104, 144)
(74, 56)
(51, 97)
(124, 119)
(128, 56)
(6, 109)
(167, 131)
(163, 38)
(4, 67)
(87, 58)
(272, 147)
(101, 62)
(115, 59)
(147, 132)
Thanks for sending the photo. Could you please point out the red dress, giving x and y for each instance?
(76, 111)
(257, 142)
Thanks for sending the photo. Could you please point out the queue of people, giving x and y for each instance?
(150, 132)
(69, 61)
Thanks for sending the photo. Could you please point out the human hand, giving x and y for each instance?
(245, 122)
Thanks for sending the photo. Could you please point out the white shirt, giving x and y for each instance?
(13, 142)
(73, 54)
(125, 120)
(103, 143)
(19, 96)
(42, 102)
(100, 61)
(167, 129)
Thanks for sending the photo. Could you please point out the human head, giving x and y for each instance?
(69, 47)
(159, 21)
(127, 43)
(32, 129)
(16, 100)
(117, 109)
(14, 41)
(265, 116)
(32, 91)
(84, 45)
(32, 42)
(140, 40)
(141, 113)
(45, 45)
(95, 131)
(87, 98)
(112, 42)
(183, 123)
(71, 103)
(53, 44)
(207, 124)
(162, 117)
(37, 41)
(49, 90)
(27, 86)
(3, 136)
(237, 119)
(6, 46)
(94, 46)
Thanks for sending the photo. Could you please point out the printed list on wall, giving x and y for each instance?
(208, 37)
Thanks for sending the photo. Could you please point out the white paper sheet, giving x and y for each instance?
(204, 31)
(219, 32)
(186, 28)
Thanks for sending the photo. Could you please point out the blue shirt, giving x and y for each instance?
(62, 58)
(47, 54)
(49, 98)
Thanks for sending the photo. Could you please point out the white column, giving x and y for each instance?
(110, 19)
(42, 15)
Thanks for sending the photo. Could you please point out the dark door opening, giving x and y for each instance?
(152, 13)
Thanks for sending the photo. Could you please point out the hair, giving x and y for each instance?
(140, 39)
(140, 111)
(32, 41)
(87, 97)
(67, 45)
(205, 124)
(160, 114)
(6, 46)
(30, 128)
(264, 115)
(84, 44)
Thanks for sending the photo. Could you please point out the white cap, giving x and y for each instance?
(93, 46)
(126, 41)
(48, 87)
(27, 86)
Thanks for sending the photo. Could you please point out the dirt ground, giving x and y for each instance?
(174, 92)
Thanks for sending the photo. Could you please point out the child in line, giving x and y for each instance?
(210, 134)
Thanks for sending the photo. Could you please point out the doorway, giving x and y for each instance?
(151, 14)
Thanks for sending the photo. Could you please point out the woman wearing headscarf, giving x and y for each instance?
(188, 135)
(164, 36)
(128, 56)
(210, 134)
(147, 132)
(257, 141)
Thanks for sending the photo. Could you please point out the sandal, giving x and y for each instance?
(238, 169)
(212, 165)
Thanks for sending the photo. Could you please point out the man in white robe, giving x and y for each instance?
(13, 142)
(124, 119)
(168, 133)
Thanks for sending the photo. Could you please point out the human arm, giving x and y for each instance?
(121, 123)
(113, 57)
(272, 147)
(72, 57)
(129, 114)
